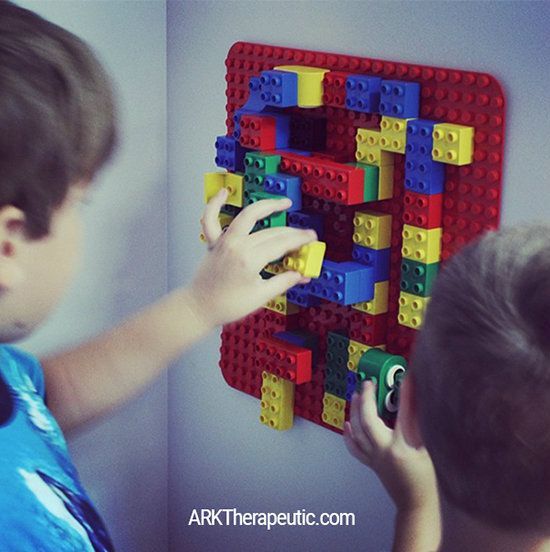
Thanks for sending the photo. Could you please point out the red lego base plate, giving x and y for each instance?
(471, 200)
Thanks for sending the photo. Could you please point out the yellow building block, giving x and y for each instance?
(372, 229)
(334, 410)
(385, 181)
(453, 144)
(355, 352)
(225, 220)
(275, 268)
(393, 135)
(307, 260)
(378, 305)
(421, 245)
(368, 148)
(277, 403)
(281, 305)
(214, 182)
(310, 84)
(411, 310)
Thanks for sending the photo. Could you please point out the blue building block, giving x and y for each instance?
(285, 185)
(351, 385)
(363, 93)
(344, 283)
(312, 221)
(419, 138)
(255, 101)
(424, 175)
(379, 259)
(279, 88)
(301, 338)
(230, 154)
(300, 295)
(282, 129)
(399, 99)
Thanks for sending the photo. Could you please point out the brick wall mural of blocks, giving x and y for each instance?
(396, 166)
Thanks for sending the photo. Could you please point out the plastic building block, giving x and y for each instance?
(370, 189)
(420, 244)
(300, 295)
(424, 211)
(379, 259)
(453, 144)
(424, 175)
(276, 219)
(363, 93)
(301, 338)
(281, 305)
(334, 89)
(399, 98)
(254, 102)
(261, 163)
(307, 133)
(367, 328)
(368, 148)
(418, 278)
(411, 310)
(393, 134)
(344, 283)
(378, 305)
(336, 371)
(334, 410)
(277, 404)
(284, 359)
(419, 138)
(258, 132)
(214, 182)
(279, 88)
(372, 229)
(355, 352)
(326, 179)
(387, 371)
(229, 154)
(351, 386)
(299, 219)
(310, 84)
(285, 185)
(307, 260)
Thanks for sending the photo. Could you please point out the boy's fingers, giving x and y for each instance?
(247, 218)
(279, 242)
(353, 448)
(371, 423)
(281, 283)
(359, 436)
(210, 222)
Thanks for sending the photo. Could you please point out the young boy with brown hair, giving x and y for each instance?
(57, 129)
(477, 399)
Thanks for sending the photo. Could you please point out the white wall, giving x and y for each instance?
(123, 460)
(220, 455)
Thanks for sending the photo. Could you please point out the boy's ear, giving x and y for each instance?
(12, 238)
(408, 412)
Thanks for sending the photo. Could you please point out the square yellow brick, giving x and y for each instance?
(281, 305)
(421, 245)
(277, 402)
(393, 135)
(372, 229)
(378, 305)
(411, 310)
(310, 83)
(334, 410)
(307, 260)
(453, 144)
(356, 349)
(368, 149)
(385, 182)
(214, 182)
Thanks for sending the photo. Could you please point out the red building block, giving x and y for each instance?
(334, 89)
(284, 359)
(258, 132)
(423, 210)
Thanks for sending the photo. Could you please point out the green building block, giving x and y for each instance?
(387, 371)
(370, 190)
(418, 278)
(261, 163)
(276, 219)
(336, 367)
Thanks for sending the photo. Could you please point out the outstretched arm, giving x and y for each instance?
(95, 377)
(406, 471)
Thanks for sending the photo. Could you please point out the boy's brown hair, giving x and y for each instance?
(482, 369)
(57, 115)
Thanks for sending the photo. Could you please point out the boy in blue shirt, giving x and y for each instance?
(57, 129)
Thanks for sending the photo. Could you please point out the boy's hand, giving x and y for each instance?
(228, 285)
(406, 472)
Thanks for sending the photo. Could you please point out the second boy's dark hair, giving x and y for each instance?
(57, 115)
(482, 369)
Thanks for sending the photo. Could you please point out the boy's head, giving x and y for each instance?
(57, 128)
(481, 370)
